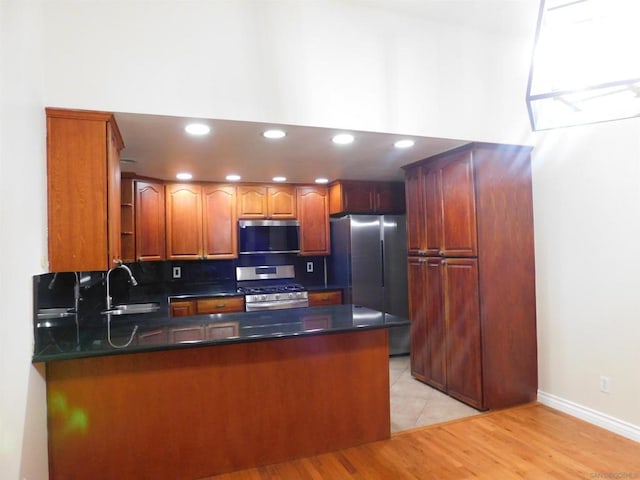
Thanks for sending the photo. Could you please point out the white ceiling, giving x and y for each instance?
(159, 148)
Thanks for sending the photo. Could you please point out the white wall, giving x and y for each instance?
(587, 221)
(322, 63)
(23, 434)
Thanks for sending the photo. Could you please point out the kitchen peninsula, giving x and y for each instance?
(196, 396)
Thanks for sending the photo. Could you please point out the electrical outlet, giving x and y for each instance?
(177, 272)
(605, 384)
(309, 267)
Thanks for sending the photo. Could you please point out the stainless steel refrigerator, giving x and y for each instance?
(369, 261)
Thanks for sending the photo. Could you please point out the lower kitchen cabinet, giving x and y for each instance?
(206, 306)
(446, 350)
(327, 297)
(182, 308)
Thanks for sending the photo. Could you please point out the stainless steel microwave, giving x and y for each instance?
(268, 236)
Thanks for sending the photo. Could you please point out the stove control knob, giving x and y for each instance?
(263, 298)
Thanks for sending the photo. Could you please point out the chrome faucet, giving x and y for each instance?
(132, 281)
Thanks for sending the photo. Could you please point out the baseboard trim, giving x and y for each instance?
(587, 414)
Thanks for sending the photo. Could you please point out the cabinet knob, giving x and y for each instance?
(441, 253)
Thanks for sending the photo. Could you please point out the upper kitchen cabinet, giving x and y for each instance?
(220, 229)
(83, 190)
(350, 196)
(201, 221)
(313, 214)
(150, 220)
(441, 207)
(184, 221)
(266, 201)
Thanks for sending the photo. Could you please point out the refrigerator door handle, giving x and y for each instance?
(382, 261)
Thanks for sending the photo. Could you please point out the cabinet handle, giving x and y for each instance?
(220, 305)
(441, 253)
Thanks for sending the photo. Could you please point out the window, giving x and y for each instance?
(586, 64)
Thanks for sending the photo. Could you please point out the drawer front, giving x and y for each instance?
(333, 297)
(219, 305)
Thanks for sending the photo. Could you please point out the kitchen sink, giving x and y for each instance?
(133, 308)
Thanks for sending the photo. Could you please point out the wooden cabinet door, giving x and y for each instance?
(150, 226)
(415, 211)
(416, 273)
(462, 320)
(182, 308)
(357, 197)
(432, 220)
(313, 214)
(281, 201)
(459, 233)
(184, 221)
(388, 198)
(220, 229)
(252, 201)
(435, 324)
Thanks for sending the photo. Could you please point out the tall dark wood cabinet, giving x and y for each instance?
(471, 274)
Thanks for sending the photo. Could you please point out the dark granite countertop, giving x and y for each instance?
(71, 339)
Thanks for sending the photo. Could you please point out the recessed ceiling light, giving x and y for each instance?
(233, 177)
(273, 134)
(322, 180)
(279, 179)
(404, 143)
(343, 138)
(197, 129)
(184, 176)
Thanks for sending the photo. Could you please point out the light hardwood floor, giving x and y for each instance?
(531, 442)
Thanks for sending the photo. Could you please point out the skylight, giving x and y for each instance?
(585, 68)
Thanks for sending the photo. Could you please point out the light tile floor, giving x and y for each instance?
(414, 404)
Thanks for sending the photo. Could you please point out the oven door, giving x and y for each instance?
(276, 304)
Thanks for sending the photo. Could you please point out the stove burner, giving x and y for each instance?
(290, 287)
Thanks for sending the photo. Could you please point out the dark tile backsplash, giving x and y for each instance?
(155, 280)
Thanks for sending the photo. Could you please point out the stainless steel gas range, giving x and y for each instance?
(270, 288)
